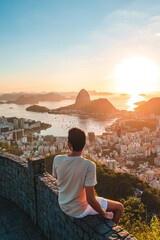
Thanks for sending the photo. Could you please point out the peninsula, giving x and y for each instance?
(83, 106)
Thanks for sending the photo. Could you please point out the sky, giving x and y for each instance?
(66, 45)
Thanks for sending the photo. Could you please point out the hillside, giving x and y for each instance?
(99, 106)
(150, 107)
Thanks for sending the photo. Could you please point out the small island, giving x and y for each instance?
(37, 108)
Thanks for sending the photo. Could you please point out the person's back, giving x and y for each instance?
(71, 172)
(76, 180)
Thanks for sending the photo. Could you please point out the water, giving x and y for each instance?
(60, 123)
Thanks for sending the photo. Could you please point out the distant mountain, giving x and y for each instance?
(68, 95)
(149, 107)
(93, 92)
(51, 97)
(12, 96)
(25, 100)
(32, 98)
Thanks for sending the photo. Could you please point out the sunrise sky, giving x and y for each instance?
(66, 45)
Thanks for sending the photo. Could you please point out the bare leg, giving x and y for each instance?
(117, 209)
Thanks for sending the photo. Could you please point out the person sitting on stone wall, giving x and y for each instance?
(76, 177)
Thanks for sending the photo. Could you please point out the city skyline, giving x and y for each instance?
(69, 45)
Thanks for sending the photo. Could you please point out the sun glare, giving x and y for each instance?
(136, 75)
(132, 101)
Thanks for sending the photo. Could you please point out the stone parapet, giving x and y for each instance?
(28, 185)
(16, 183)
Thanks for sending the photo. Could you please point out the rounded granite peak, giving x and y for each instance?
(82, 98)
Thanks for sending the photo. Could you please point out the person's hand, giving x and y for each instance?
(109, 215)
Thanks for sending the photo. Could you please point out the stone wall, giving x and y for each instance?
(28, 185)
(16, 183)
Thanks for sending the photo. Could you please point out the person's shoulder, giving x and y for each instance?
(59, 157)
(89, 162)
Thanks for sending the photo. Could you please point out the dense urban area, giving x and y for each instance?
(131, 145)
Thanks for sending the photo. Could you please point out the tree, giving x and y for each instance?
(134, 221)
(147, 199)
(133, 216)
(151, 232)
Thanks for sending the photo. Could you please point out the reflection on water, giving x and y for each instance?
(133, 100)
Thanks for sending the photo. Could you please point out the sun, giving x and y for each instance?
(136, 75)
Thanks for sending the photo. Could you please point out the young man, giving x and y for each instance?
(76, 180)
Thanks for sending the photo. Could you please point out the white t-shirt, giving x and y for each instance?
(73, 174)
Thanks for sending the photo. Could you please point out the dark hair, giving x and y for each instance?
(77, 138)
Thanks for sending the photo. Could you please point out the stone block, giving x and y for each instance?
(117, 229)
(123, 234)
(110, 223)
(111, 236)
(94, 221)
(2, 229)
(102, 229)
(86, 237)
(131, 237)
(80, 232)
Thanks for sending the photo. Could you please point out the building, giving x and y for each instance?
(91, 137)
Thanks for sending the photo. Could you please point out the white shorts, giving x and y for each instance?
(90, 211)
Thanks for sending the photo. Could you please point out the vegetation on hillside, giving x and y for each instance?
(134, 220)
(13, 149)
